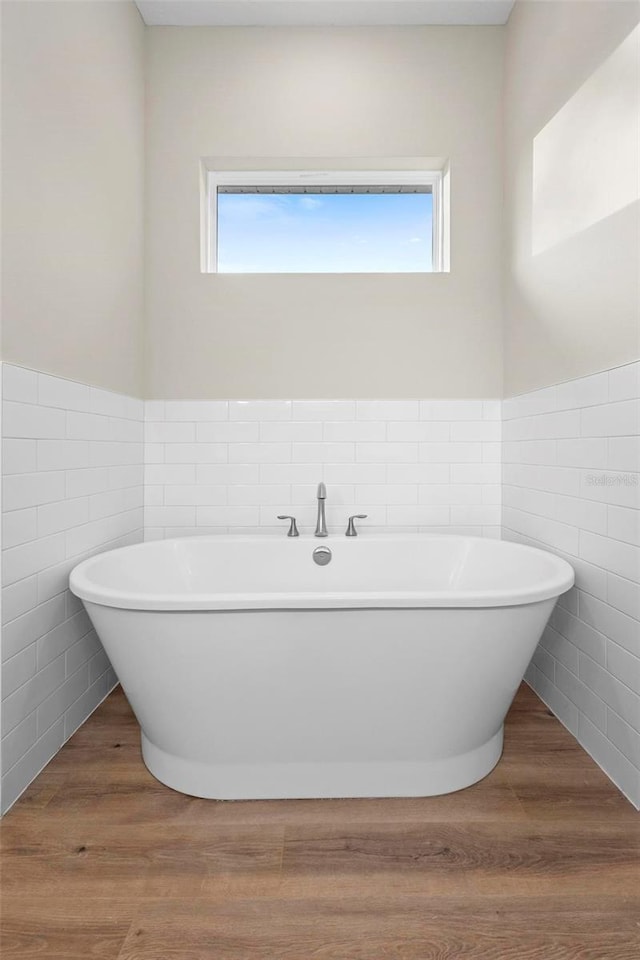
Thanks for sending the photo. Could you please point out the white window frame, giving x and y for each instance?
(437, 180)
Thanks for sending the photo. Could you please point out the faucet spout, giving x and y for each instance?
(321, 524)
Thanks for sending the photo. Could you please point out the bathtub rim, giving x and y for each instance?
(86, 589)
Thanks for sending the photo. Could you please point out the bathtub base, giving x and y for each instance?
(279, 781)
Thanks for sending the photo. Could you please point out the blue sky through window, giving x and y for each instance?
(324, 233)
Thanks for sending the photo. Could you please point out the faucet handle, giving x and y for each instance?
(351, 527)
(293, 529)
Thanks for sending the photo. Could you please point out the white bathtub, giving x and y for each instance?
(255, 673)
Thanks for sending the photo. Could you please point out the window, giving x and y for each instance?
(329, 222)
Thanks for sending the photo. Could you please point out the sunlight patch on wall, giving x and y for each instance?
(586, 159)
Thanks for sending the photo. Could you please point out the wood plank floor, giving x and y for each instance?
(539, 861)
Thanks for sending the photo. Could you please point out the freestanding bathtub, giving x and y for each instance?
(255, 673)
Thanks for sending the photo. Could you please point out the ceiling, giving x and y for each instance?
(246, 13)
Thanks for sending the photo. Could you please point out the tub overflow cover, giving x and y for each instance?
(322, 556)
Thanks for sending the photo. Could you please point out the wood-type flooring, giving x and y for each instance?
(539, 861)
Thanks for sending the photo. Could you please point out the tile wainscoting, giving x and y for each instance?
(571, 484)
(217, 466)
(72, 486)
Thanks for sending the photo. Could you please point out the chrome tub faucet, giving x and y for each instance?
(321, 524)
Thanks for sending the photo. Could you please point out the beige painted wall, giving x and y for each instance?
(571, 187)
(72, 190)
(399, 92)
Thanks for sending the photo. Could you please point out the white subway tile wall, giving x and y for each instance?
(72, 464)
(571, 484)
(410, 465)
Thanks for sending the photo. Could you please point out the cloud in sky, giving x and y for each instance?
(252, 206)
(309, 203)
